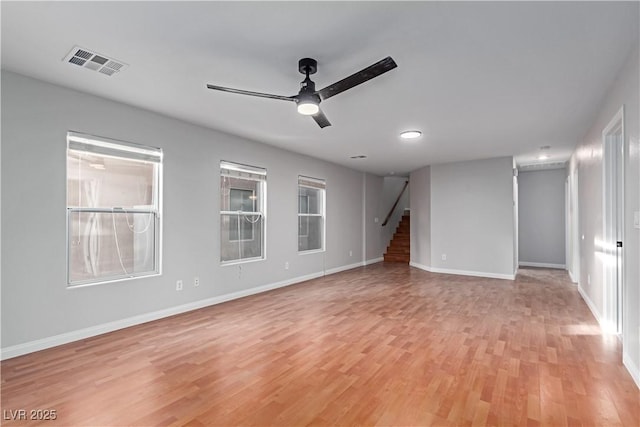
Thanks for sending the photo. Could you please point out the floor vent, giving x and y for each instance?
(94, 61)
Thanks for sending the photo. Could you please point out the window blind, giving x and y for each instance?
(306, 181)
(237, 170)
(112, 147)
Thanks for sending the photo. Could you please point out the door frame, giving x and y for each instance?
(613, 156)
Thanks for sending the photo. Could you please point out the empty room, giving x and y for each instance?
(320, 213)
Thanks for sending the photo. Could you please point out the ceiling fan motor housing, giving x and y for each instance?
(307, 65)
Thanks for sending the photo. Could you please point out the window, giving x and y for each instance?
(113, 209)
(311, 211)
(242, 212)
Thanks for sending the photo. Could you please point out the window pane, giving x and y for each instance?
(303, 203)
(94, 180)
(242, 200)
(309, 200)
(111, 245)
(310, 232)
(237, 194)
(240, 236)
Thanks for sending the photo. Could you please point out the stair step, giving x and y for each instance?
(404, 260)
(399, 249)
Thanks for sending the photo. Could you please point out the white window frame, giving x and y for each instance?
(109, 147)
(253, 173)
(319, 184)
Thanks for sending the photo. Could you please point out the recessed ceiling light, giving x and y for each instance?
(359, 157)
(410, 134)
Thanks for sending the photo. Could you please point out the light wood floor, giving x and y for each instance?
(379, 345)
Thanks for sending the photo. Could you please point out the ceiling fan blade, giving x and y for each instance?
(247, 92)
(360, 77)
(321, 119)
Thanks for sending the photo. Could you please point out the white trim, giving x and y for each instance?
(590, 304)
(373, 261)
(463, 272)
(627, 361)
(420, 266)
(542, 265)
(474, 273)
(343, 268)
(573, 279)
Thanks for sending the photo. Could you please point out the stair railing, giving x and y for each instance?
(386, 220)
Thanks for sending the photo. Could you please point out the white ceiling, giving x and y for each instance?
(480, 79)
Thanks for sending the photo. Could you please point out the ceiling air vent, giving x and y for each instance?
(94, 61)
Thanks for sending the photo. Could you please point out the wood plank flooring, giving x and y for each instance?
(379, 345)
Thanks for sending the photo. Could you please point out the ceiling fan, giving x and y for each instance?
(308, 99)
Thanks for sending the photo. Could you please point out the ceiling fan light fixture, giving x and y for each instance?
(308, 103)
(308, 108)
(410, 134)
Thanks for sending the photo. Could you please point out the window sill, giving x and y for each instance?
(311, 251)
(86, 284)
(242, 261)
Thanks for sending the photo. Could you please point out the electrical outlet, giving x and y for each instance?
(636, 219)
(375, 220)
(196, 281)
(444, 257)
(350, 253)
(588, 279)
(286, 265)
(179, 285)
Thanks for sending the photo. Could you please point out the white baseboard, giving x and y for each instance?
(573, 279)
(463, 272)
(420, 266)
(632, 368)
(542, 265)
(474, 273)
(590, 304)
(343, 268)
(67, 337)
(373, 261)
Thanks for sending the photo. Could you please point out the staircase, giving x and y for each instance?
(399, 247)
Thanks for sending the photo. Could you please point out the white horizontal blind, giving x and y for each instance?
(112, 147)
(306, 181)
(237, 170)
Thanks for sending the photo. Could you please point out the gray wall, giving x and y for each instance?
(36, 303)
(542, 218)
(472, 217)
(420, 195)
(586, 163)
(464, 210)
(372, 219)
